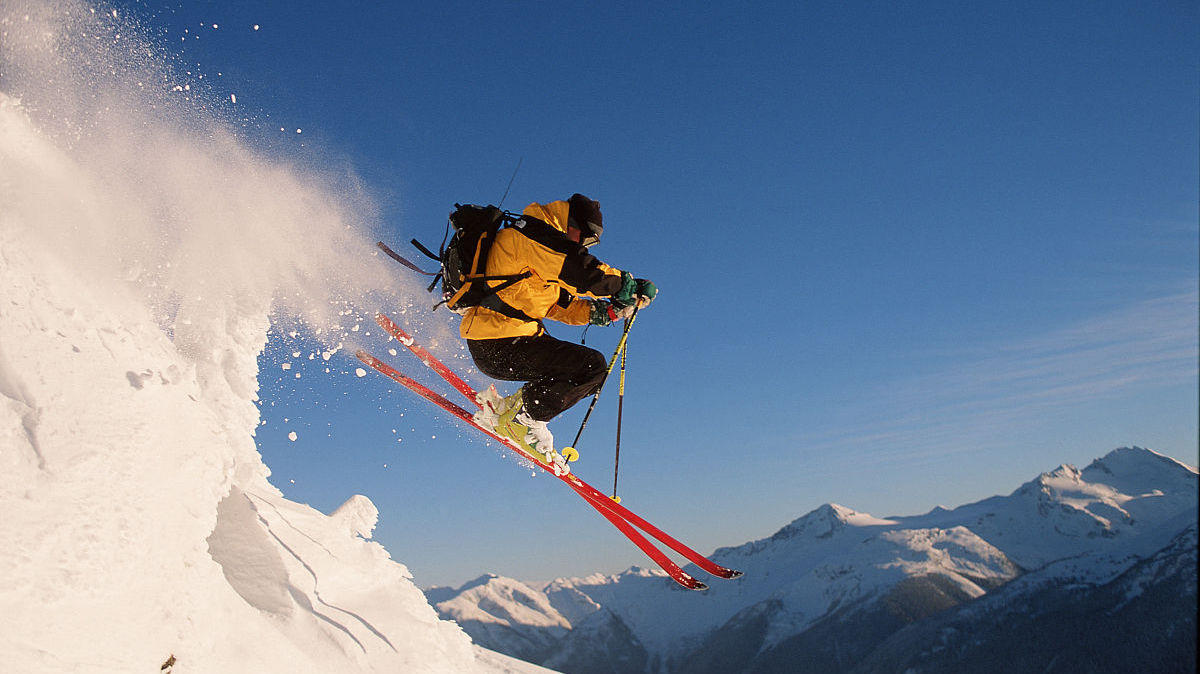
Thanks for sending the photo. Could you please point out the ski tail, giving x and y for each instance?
(590, 493)
(597, 497)
(679, 575)
(673, 570)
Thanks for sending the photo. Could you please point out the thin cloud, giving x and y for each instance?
(1149, 345)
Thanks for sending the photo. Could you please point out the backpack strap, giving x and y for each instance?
(476, 288)
(493, 302)
(490, 299)
(426, 251)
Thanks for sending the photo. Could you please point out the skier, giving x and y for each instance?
(566, 284)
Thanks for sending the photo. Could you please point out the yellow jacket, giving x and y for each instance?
(562, 272)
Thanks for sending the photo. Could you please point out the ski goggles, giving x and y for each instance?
(590, 234)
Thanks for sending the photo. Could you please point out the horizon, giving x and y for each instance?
(883, 521)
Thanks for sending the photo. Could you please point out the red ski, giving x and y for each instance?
(575, 483)
(593, 494)
(620, 516)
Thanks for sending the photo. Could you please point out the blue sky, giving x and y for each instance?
(909, 254)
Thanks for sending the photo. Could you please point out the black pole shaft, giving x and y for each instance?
(620, 410)
(596, 396)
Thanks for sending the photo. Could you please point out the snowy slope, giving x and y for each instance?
(138, 519)
(1142, 620)
(144, 252)
(829, 558)
(839, 574)
(1131, 502)
(496, 610)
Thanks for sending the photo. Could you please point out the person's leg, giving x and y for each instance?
(558, 373)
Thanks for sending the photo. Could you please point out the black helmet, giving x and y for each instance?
(585, 216)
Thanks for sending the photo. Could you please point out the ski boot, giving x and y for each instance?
(491, 404)
(508, 418)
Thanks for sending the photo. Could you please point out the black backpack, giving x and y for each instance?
(464, 261)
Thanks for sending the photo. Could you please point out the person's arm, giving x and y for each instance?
(568, 264)
(571, 310)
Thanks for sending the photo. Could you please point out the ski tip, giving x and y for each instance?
(699, 586)
(730, 573)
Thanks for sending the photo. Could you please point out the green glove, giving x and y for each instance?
(602, 314)
(627, 295)
(646, 292)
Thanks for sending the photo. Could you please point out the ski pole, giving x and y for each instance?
(592, 406)
(620, 409)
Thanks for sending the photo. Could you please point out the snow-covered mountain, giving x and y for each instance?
(830, 590)
(143, 254)
(1143, 620)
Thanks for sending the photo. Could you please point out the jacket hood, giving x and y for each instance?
(554, 213)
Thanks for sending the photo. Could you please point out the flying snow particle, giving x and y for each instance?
(292, 436)
(286, 366)
(360, 372)
(233, 98)
(297, 130)
(214, 26)
(295, 354)
(256, 26)
(392, 351)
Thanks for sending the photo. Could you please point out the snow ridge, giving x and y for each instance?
(144, 252)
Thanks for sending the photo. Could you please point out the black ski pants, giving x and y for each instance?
(559, 374)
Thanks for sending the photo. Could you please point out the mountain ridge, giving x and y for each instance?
(834, 568)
